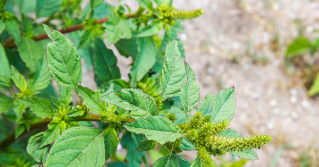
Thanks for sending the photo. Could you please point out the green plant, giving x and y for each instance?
(152, 108)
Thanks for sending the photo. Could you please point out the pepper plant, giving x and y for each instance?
(155, 106)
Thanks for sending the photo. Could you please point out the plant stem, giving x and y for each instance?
(11, 90)
(10, 139)
(10, 43)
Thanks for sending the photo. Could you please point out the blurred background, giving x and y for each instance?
(243, 43)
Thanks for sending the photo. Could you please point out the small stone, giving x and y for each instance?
(273, 102)
(293, 99)
(305, 103)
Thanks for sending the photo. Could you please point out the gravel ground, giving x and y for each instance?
(266, 103)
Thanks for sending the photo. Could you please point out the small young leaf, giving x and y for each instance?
(18, 79)
(156, 128)
(173, 160)
(206, 108)
(298, 46)
(5, 103)
(173, 73)
(13, 28)
(152, 29)
(224, 105)
(247, 154)
(40, 107)
(92, 99)
(116, 28)
(314, 89)
(42, 77)
(2, 26)
(19, 130)
(105, 62)
(186, 145)
(87, 38)
(163, 2)
(180, 115)
(127, 47)
(78, 147)
(55, 129)
(147, 4)
(135, 101)
(116, 164)
(190, 91)
(30, 52)
(145, 145)
(111, 142)
(65, 95)
(45, 8)
(38, 154)
(63, 60)
(4, 68)
(145, 59)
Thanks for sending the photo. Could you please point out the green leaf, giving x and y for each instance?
(2, 26)
(45, 8)
(173, 160)
(4, 68)
(247, 154)
(206, 108)
(145, 145)
(156, 128)
(180, 115)
(92, 99)
(152, 29)
(116, 28)
(163, 2)
(63, 60)
(40, 107)
(127, 47)
(181, 48)
(42, 78)
(18, 108)
(116, 164)
(190, 91)
(19, 130)
(224, 106)
(197, 162)
(147, 4)
(26, 7)
(13, 28)
(30, 52)
(314, 89)
(38, 154)
(18, 79)
(5, 103)
(111, 142)
(55, 129)
(145, 59)
(173, 72)
(186, 145)
(65, 95)
(133, 100)
(298, 46)
(134, 158)
(78, 147)
(105, 62)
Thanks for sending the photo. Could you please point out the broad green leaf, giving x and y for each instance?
(224, 105)
(145, 59)
(133, 100)
(116, 164)
(13, 28)
(315, 46)
(55, 129)
(76, 113)
(173, 73)
(42, 78)
(298, 46)
(145, 145)
(190, 91)
(127, 47)
(163, 2)
(314, 89)
(111, 142)
(18, 108)
(5, 103)
(63, 60)
(180, 115)
(134, 158)
(181, 48)
(206, 108)
(152, 29)
(78, 147)
(26, 7)
(2, 26)
(30, 52)
(116, 28)
(105, 62)
(166, 39)
(138, 138)
(247, 154)
(156, 128)
(173, 160)
(92, 99)
(197, 162)
(40, 107)
(147, 4)
(45, 8)
(87, 37)
(186, 145)
(18, 79)
(38, 154)
(4, 68)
